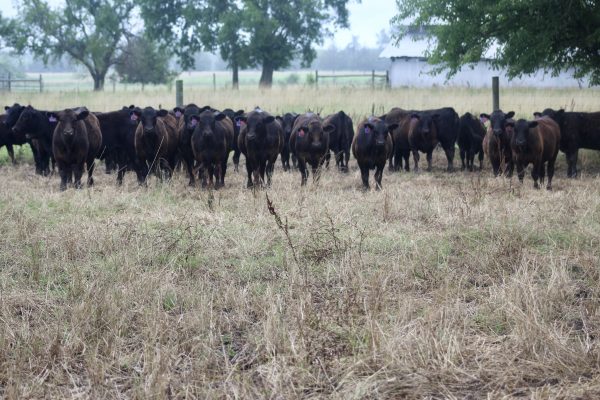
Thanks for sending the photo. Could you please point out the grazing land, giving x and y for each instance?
(440, 285)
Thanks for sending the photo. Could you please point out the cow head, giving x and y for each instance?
(205, 124)
(256, 125)
(287, 123)
(147, 118)
(376, 131)
(498, 121)
(315, 133)
(12, 114)
(28, 124)
(558, 116)
(521, 132)
(424, 123)
(66, 120)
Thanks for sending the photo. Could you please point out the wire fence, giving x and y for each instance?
(10, 84)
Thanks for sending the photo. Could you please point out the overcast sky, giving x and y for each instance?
(366, 20)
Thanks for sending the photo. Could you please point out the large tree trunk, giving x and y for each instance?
(235, 75)
(98, 81)
(266, 78)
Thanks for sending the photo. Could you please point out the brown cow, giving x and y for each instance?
(535, 142)
(76, 141)
(496, 143)
(156, 142)
(371, 147)
(401, 148)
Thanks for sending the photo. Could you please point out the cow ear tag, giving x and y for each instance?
(52, 118)
(178, 114)
(134, 117)
(301, 133)
(367, 130)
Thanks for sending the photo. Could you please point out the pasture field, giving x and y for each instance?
(440, 285)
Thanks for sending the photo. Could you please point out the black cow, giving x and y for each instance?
(578, 130)
(12, 116)
(470, 140)
(340, 139)
(186, 126)
(237, 126)
(261, 140)
(371, 147)
(496, 142)
(35, 126)
(310, 143)
(211, 143)
(287, 123)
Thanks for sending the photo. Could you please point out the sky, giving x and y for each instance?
(366, 19)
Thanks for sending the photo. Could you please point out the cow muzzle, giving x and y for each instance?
(68, 132)
(497, 132)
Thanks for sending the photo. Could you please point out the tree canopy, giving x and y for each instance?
(91, 32)
(553, 35)
(269, 33)
(141, 61)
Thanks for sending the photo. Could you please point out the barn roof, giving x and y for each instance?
(416, 47)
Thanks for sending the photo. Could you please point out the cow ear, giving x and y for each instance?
(533, 124)
(269, 119)
(391, 127)
(242, 118)
(239, 112)
(329, 128)
(414, 116)
(220, 116)
(537, 114)
(483, 115)
(178, 109)
(510, 124)
(82, 115)
(370, 126)
(6, 108)
(560, 113)
(509, 115)
(205, 108)
(162, 113)
(278, 118)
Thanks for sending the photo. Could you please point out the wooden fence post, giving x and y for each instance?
(387, 79)
(214, 82)
(41, 84)
(317, 79)
(179, 93)
(495, 93)
(373, 80)
(9, 82)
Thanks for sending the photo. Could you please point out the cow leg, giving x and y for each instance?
(429, 158)
(263, 170)
(397, 155)
(189, 166)
(63, 172)
(535, 174)
(550, 173)
(218, 175)
(11, 153)
(481, 160)
(236, 160)
(120, 174)
(294, 161)
(327, 159)
(77, 174)
(364, 174)
(391, 160)
(249, 183)
(224, 168)
(572, 164)
(303, 171)
(378, 176)
(520, 171)
(285, 158)
(270, 167)
(462, 158)
(450, 151)
(495, 166)
(346, 166)
(90, 164)
(211, 174)
(406, 157)
(471, 160)
(142, 173)
(416, 158)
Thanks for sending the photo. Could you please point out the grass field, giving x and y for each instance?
(439, 286)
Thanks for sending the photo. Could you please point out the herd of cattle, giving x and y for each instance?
(201, 138)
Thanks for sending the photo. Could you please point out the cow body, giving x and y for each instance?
(212, 141)
(496, 143)
(371, 146)
(118, 140)
(287, 124)
(156, 143)
(578, 130)
(470, 141)
(309, 141)
(186, 125)
(260, 140)
(536, 142)
(33, 125)
(76, 142)
(340, 139)
(422, 137)
(237, 126)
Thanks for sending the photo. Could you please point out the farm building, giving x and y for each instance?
(409, 67)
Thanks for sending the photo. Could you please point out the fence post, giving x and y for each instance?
(317, 79)
(387, 78)
(495, 93)
(373, 80)
(214, 82)
(9, 81)
(41, 84)
(179, 93)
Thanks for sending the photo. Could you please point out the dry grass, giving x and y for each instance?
(440, 286)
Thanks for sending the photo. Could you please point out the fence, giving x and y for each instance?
(10, 84)
(373, 76)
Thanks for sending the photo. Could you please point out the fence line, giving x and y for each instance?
(10, 84)
(372, 75)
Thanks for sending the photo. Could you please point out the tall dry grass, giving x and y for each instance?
(439, 286)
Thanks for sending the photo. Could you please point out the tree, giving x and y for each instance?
(190, 26)
(269, 33)
(141, 62)
(552, 35)
(90, 32)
